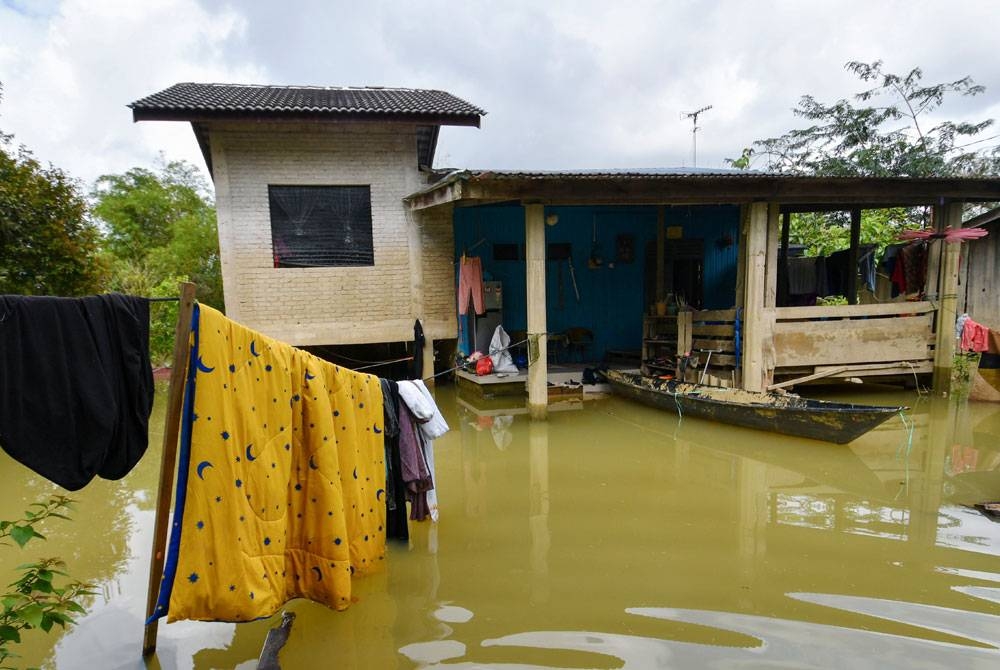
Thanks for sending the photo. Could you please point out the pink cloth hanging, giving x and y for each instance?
(975, 336)
(470, 283)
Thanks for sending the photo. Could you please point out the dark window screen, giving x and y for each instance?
(321, 226)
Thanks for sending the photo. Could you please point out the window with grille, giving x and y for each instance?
(321, 226)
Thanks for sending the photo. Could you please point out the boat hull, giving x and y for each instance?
(789, 415)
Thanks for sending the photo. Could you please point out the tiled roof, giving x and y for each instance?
(240, 99)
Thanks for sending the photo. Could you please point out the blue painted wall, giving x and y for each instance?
(612, 300)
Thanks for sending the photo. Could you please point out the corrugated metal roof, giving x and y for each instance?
(244, 98)
(680, 172)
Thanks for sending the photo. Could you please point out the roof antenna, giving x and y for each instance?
(694, 132)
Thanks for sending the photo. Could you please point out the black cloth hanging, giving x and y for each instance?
(76, 385)
(396, 525)
(418, 350)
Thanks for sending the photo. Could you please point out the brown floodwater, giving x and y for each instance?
(610, 536)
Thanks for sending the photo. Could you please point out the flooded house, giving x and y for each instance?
(335, 229)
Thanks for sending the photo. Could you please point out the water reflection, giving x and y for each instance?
(614, 535)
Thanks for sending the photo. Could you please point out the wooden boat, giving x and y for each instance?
(786, 414)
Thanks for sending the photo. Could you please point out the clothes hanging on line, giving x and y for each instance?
(76, 385)
(974, 336)
(396, 527)
(281, 476)
(470, 285)
(427, 424)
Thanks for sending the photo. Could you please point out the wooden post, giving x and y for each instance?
(852, 258)
(740, 302)
(168, 461)
(534, 243)
(661, 235)
(754, 315)
(783, 283)
(944, 322)
(771, 262)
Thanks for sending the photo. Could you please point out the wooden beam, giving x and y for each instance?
(808, 378)
(754, 316)
(168, 460)
(451, 192)
(852, 257)
(786, 227)
(944, 349)
(844, 193)
(771, 262)
(534, 238)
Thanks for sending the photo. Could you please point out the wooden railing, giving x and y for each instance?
(886, 338)
(710, 336)
(818, 342)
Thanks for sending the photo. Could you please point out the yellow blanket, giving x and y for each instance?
(285, 478)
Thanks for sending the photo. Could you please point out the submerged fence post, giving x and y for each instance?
(171, 428)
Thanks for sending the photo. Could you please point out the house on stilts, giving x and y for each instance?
(336, 230)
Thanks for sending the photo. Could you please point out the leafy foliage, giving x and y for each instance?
(160, 224)
(883, 133)
(36, 599)
(47, 245)
(161, 230)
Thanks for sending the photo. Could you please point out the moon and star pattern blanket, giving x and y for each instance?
(281, 478)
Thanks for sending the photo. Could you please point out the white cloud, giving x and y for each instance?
(568, 84)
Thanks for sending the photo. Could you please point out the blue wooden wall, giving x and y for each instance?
(612, 300)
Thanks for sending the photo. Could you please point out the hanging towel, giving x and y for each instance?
(76, 386)
(280, 479)
(432, 425)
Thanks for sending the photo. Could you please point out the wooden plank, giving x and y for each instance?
(714, 315)
(168, 460)
(890, 366)
(719, 360)
(854, 341)
(708, 331)
(808, 378)
(705, 343)
(684, 331)
(853, 311)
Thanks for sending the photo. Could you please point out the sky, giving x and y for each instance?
(566, 84)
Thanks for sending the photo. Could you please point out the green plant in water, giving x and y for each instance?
(963, 367)
(35, 599)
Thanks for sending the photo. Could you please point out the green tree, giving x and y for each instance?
(160, 225)
(884, 132)
(36, 599)
(47, 245)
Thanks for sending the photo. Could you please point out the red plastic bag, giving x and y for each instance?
(484, 366)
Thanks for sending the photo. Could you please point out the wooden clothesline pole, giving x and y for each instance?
(171, 428)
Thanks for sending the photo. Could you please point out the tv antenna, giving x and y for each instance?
(694, 131)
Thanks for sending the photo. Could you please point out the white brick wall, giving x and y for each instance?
(413, 275)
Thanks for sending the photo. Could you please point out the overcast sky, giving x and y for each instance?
(570, 84)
